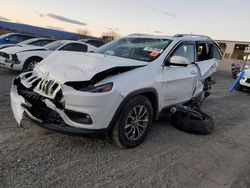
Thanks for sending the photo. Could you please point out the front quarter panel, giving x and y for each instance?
(24, 56)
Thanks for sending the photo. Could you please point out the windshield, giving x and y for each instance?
(142, 49)
(54, 45)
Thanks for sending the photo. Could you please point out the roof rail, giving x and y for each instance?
(191, 35)
(139, 34)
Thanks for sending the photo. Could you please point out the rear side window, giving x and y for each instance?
(216, 52)
(21, 38)
(41, 42)
(95, 43)
(206, 51)
(36, 43)
(75, 47)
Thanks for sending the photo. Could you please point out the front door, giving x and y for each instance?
(179, 81)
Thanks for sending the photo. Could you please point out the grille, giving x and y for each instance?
(5, 55)
(47, 88)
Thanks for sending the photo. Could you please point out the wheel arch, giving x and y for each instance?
(149, 93)
(33, 57)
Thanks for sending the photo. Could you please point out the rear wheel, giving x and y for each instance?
(30, 64)
(134, 123)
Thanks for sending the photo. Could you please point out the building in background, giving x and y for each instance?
(237, 50)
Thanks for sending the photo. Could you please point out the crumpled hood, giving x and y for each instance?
(77, 66)
(21, 48)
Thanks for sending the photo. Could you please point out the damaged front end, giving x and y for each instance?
(31, 93)
(41, 101)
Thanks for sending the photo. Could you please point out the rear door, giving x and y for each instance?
(179, 81)
(208, 58)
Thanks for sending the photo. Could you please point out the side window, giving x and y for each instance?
(95, 43)
(187, 51)
(206, 51)
(214, 52)
(75, 47)
(217, 53)
(202, 51)
(45, 42)
(13, 38)
(36, 43)
(21, 38)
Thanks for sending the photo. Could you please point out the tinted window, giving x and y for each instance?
(95, 43)
(75, 47)
(54, 45)
(36, 43)
(41, 42)
(206, 51)
(187, 51)
(214, 52)
(21, 38)
(12, 38)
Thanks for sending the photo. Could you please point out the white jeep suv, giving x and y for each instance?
(118, 90)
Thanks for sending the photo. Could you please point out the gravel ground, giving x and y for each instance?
(34, 157)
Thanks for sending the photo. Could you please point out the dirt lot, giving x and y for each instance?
(169, 158)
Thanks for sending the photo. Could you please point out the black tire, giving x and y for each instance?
(27, 64)
(192, 122)
(239, 87)
(118, 134)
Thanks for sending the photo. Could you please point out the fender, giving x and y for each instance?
(148, 92)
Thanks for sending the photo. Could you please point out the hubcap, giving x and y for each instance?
(136, 122)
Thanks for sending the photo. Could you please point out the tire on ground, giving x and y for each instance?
(118, 133)
(189, 122)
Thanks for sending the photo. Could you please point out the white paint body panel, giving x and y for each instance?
(173, 84)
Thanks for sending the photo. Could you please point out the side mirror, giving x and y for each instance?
(179, 61)
(7, 39)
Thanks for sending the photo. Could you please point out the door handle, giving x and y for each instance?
(193, 72)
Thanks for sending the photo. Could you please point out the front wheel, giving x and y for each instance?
(134, 123)
(30, 64)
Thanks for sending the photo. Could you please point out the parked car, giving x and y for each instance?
(33, 42)
(118, 90)
(95, 42)
(14, 38)
(24, 58)
(245, 80)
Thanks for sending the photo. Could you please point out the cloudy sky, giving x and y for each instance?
(220, 19)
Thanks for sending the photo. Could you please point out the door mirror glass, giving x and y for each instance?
(179, 60)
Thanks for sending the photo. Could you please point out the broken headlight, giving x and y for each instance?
(102, 88)
(87, 87)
